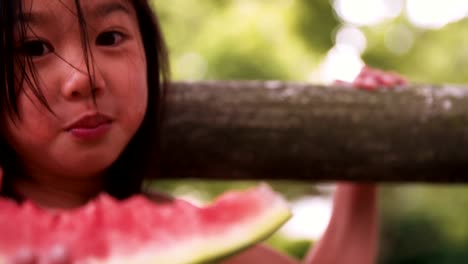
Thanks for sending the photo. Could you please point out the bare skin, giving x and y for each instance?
(352, 233)
(351, 236)
(78, 155)
(61, 180)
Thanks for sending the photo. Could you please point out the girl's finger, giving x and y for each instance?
(370, 79)
(367, 71)
(366, 83)
(390, 79)
(400, 80)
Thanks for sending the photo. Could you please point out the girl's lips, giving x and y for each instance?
(90, 126)
(92, 133)
(89, 120)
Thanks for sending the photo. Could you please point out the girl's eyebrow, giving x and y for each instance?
(99, 11)
(33, 18)
(107, 8)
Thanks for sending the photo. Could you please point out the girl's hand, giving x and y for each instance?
(354, 224)
(371, 79)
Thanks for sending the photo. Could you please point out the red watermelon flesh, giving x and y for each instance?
(138, 230)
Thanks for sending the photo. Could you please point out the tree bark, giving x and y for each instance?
(298, 131)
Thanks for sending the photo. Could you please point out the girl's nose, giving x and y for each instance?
(82, 83)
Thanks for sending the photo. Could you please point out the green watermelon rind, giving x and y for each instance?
(245, 235)
(271, 223)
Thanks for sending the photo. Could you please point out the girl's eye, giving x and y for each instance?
(109, 38)
(35, 48)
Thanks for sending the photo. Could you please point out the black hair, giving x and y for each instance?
(140, 159)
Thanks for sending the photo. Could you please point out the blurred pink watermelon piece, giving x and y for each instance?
(138, 230)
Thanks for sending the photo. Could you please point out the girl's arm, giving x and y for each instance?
(352, 233)
(351, 236)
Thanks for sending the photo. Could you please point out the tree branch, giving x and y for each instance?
(297, 131)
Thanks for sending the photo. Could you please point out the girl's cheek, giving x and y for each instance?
(35, 119)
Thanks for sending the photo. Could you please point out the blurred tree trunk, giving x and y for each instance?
(296, 131)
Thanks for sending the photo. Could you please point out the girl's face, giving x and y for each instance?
(82, 137)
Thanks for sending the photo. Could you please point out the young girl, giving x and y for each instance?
(81, 96)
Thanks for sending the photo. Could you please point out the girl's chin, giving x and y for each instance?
(86, 164)
(84, 175)
(87, 171)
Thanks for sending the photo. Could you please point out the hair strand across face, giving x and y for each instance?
(139, 160)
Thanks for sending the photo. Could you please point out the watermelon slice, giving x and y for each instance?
(138, 230)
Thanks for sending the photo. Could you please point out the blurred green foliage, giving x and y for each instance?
(424, 224)
(436, 56)
(287, 40)
(238, 40)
